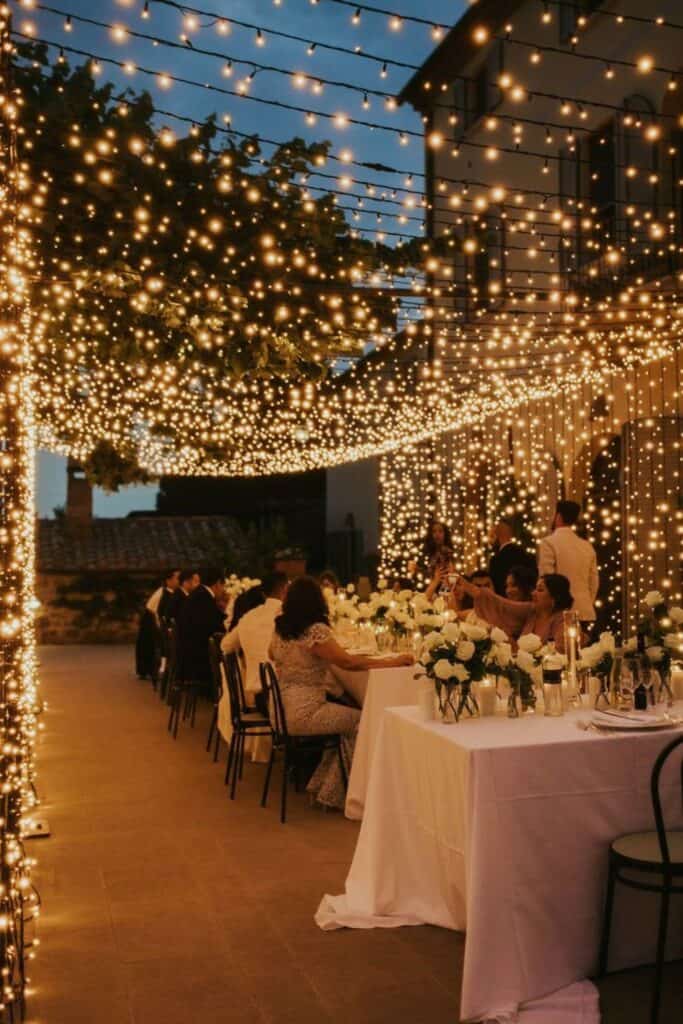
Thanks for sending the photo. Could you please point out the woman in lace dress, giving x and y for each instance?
(303, 649)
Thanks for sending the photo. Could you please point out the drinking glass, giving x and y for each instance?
(552, 693)
(650, 676)
(627, 684)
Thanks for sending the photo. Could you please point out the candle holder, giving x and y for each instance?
(572, 632)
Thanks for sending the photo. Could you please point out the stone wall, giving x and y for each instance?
(77, 609)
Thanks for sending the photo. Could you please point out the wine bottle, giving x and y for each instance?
(640, 693)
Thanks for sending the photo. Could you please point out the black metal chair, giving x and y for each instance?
(182, 693)
(216, 662)
(168, 662)
(657, 857)
(294, 748)
(245, 722)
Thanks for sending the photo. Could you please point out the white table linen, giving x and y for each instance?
(375, 690)
(502, 829)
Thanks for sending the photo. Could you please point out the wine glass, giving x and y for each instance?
(627, 685)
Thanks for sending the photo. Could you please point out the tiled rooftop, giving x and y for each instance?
(135, 544)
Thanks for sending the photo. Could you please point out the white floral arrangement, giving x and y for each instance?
(524, 671)
(659, 633)
(236, 585)
(598, 658)
(461, 652)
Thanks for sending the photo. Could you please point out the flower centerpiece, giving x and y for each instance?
(659, 638)
(454, 657)
(344, 612)
(398, 617)
(599, 659)
(524, 672)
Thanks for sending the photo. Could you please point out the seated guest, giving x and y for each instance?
(482, 578)
(302, 650)
(189, 580)
(329, 581)
(199, 619)
(520, 582)
(541, 615)
(252, 629)
(246, 602)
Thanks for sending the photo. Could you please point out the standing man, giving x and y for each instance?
(171, 584)
(507, 554)
(563, 551)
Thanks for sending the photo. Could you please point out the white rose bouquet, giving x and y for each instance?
(454, 660)
(660, 635)
(524, 671)
(599, 657)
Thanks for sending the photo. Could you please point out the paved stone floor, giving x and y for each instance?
(166, 903)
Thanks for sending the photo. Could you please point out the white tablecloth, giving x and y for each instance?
(376, 690)
(502, 828)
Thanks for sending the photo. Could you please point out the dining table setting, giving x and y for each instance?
(501, 830)
(490, 782)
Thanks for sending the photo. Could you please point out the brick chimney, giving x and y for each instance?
(78, 494)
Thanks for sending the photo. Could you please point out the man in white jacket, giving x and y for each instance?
(564, 552)
(254, 631)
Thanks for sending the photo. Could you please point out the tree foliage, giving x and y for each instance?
(198, 254)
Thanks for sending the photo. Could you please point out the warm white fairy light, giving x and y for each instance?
(18, 702)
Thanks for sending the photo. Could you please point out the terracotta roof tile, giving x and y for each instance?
(133, 544)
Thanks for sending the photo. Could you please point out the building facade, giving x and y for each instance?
(553, 202)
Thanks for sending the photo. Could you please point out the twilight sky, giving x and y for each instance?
(318, 22)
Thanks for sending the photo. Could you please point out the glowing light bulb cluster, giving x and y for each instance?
(18, 698)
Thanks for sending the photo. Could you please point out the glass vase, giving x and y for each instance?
(665, 693)
(448, 707)
(467, 700)
(513, 699)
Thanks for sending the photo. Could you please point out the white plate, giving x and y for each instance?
(631, 720)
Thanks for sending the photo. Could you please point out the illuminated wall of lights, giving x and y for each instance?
(18, 699)
(627, 430)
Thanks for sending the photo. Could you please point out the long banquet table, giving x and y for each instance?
(501, 828)
(376, 690)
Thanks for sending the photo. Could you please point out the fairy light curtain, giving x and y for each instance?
(616, 448)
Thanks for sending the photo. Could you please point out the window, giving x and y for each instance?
(568, 176)
(641, 161)
(597, 191)
(475, 97)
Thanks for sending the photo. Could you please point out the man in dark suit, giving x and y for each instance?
(168, 591)
(189, 581)
(507, 554)
(199, 619)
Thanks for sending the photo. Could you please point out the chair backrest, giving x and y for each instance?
(656, 798)
(171, 651)
(215, 663)
(233, 678)
(271, 688)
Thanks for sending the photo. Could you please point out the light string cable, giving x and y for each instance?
(339, 119)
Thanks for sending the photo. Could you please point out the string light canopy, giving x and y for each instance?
(180, 296)
(197, 286)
